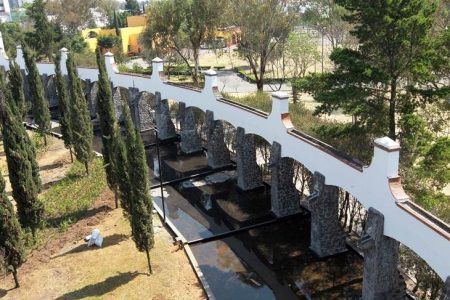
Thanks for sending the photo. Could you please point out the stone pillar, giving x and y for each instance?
(91, 91)
(146, 103)
(284, 196)
(381, 279)
(117, 101)
(327, 236)
(190, 141)
(218, 154)
(446, 290)
(164, 124)
(249, 174)
(133, 101)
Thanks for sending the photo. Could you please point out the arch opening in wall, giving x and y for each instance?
(263, 151)
(420, 278)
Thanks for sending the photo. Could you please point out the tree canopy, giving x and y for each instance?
(264, 24)
(82, 133)
(177, 25)
(41, 112)
(21, 160)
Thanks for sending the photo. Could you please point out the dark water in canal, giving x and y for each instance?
(264, 262)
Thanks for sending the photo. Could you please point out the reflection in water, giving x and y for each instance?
(270, 262)
(277, 257)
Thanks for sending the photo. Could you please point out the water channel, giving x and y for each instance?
(242, 249)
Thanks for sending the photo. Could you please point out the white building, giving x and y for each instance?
(5, 11)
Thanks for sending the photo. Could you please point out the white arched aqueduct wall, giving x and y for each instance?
(377, 185)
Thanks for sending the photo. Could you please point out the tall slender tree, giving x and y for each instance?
(44, 33)
(108, 125)
(141, 202)
(64, 106)
(16, 87)
(11, 243)
(41, 111)
(21, 159)
(133, 7)
(81, 120)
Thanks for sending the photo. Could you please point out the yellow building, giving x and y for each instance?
(129, 35)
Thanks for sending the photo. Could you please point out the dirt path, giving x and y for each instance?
(66, 269)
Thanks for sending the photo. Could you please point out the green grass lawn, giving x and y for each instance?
(67, 200)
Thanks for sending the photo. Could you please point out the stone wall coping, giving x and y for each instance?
(371, 185)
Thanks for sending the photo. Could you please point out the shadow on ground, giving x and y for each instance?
(101, 288)
(107, 241)
(78, 215)
(51, 166)
(4, 292)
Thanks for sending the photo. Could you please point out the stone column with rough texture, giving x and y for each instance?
(446, 291)
(146, 103)
(381, 279)
(218, 153)
(118, 103)
(284, 196)
(190, 141)
(50, 91)
(133, 101)
(327, 236)
(164, 124)
(249, 174)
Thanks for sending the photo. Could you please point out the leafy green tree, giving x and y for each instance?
(108, 126)
(264, 25)
(41, 112)
(133, 7)
(108, 42)
(43, 35)
(292, 58)
(326, 17)
(71, 14)
(16, 87)
(376, 82)
(116, 24)
(11, 244)
(141, 202)
(21, 160)
(81, 126)
(183, 26)
(388, 85)
(64, 106)
(11, 33)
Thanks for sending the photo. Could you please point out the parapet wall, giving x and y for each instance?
(377, 185)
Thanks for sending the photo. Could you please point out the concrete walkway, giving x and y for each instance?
(229, 82)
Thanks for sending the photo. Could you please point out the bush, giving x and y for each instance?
(341, 136)
(85, 59)
(108, 41)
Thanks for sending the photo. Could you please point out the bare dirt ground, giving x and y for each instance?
(53, 163)
(65, 268)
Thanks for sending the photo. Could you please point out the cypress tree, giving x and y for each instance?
(141, 202)
(16, 87)
(41, 111)
(64, 106)
(81, 120)
(11, 243)
(108, 122)
(21, 160)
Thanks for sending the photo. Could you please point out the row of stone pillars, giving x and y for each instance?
(381, 279)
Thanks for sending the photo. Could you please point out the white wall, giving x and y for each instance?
(370, 185)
